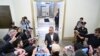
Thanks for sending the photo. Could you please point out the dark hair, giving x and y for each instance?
(14, 27)
(30, 28)
(97, 30)
(24, 17)
(81, 18)
(15, 43)
(55, 53)
(83, 23)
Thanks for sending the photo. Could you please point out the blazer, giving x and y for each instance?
(24, 36)
(83, 31)
(7, 38)
(7, 48)
(48, 38)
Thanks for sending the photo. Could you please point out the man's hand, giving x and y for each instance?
(20, 52)
(90, 50)
(98, 51)
(77, 33)
(53, 42)
(45, 42)
(13, 38)
(81, 37)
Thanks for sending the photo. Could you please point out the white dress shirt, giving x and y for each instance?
(51, 37)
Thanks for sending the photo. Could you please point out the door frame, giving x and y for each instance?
(63, 21)
(65, 4)
(33, 19)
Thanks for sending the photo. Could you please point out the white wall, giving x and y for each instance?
(99, 22)
(19, 8)
(89, 9)
(61, 13)
(99, 18)
(22, 8)
(6, 2)
(81, 8)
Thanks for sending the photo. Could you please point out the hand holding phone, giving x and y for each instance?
(90, 50)
(17, 34)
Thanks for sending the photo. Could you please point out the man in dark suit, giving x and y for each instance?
(57, 20)
(51, 37)
(83, 31)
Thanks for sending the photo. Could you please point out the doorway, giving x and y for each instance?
(44, 14)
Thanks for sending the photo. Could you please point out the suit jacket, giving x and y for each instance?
(48, 38)
(83, 31)
(7, 38)
(7, 48)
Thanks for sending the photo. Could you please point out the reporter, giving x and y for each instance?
(13, 46)
(81, 33)
(94, 39)
(8, 47)
(10, 35)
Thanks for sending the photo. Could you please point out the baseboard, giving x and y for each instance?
(67, 38)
